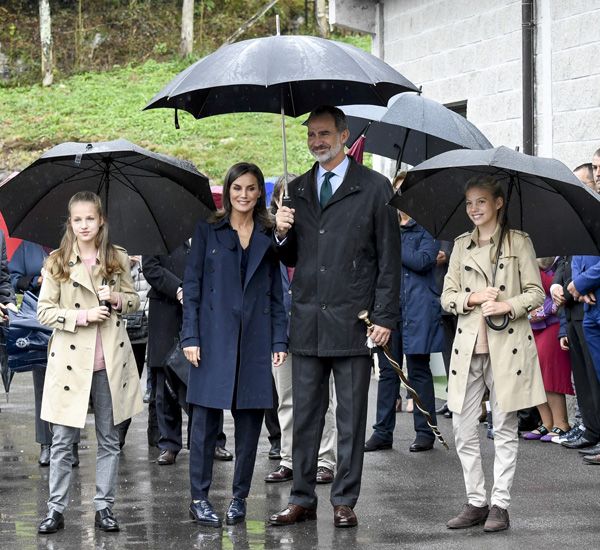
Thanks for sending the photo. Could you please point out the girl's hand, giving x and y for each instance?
(489, 294)
(278, 358)
(104, 294)
(495, 308)
(192, 354)
(98, 314)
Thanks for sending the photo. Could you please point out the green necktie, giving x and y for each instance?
(326, 191)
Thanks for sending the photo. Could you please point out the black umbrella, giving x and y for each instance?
(6, 373)
(412, 129)
(152, 201)
(290, 75)
(545, 199)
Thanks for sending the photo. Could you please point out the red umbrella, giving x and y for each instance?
(357, 149)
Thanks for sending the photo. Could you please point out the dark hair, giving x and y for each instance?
(339, 117)
(587, 166)
(277, 191)
(260, 210)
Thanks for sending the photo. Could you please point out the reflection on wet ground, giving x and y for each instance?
(406, 497)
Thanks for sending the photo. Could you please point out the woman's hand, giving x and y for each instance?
(278, 358)
(98, 314)
(564, 343)
(192, 354)
(104, 294)
(489, 294)
(490, 308)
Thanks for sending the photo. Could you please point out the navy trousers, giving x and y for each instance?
(421, 379)
(206, 424)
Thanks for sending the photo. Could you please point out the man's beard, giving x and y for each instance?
(326, 156)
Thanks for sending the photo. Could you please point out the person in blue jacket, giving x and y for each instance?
(421, 324)
(233, 321)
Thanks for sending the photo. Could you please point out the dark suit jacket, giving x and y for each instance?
(573, 311)
(165, 276)
(347, 258)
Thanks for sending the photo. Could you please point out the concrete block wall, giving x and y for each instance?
(471, 50)
(462, 50)
(575, 80)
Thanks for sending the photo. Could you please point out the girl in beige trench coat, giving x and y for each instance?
(505, 360)
(87, 286)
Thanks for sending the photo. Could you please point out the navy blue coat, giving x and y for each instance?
(218, 313)
(25, 267)
(422, 330)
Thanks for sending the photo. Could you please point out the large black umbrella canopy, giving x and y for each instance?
(296, 73)
(545, 199)
(152, 201)
(412, 129)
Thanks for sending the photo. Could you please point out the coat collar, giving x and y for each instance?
(259, 244)
(481, 257)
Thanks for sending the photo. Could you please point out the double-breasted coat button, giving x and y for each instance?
(77, 306)
(501, 266)
(72, 346)
(323, 306)
(130, 303)
(125, 384)
(322, 268)
(61, 319)
(468, 268)
(511, 330)
(121, 344)
(52, 354)
(75, 284)
(118, 323)
(321, 231)
(290, 291)
(67, 388)
(502, 288)
(460, 331)
(124, 365)
(69, 367)
(455, 351)
(213, 251)
(71, 264)
(454, 372)
(467, 289)
(518, 372)
(515, 351)
(530, 337)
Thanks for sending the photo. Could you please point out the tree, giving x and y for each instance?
(187, 28)
(46, 41)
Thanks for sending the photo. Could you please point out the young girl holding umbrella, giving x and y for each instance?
(86, 288)
(482, 284)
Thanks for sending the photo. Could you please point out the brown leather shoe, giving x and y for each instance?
(344, 516)
(293, 514)
(594, 459)
(470, 516)
(166, 457)
(324, 475)
(282, 473)
(497, 520)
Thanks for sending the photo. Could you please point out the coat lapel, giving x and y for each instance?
(78, 272)
(259, 245)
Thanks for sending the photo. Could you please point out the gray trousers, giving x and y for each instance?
(310, 388)
(107, 457)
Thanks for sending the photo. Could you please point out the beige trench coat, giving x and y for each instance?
(71, 348)
(515, 366)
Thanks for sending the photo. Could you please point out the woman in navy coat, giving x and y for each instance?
(422, 330)
(233, 320)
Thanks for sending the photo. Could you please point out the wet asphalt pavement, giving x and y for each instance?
(405, 501)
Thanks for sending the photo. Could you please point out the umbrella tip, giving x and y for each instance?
(277, 24)
(420, 89)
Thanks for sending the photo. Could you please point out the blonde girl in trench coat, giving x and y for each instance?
(89, 354)
(505, 361)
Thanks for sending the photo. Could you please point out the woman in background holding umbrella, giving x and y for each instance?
(233, 320)
(503, 360)
(86, 288)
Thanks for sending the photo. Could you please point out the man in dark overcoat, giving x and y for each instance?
(344, 242)
(165, 275)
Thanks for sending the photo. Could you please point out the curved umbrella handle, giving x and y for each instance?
(499, 327)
